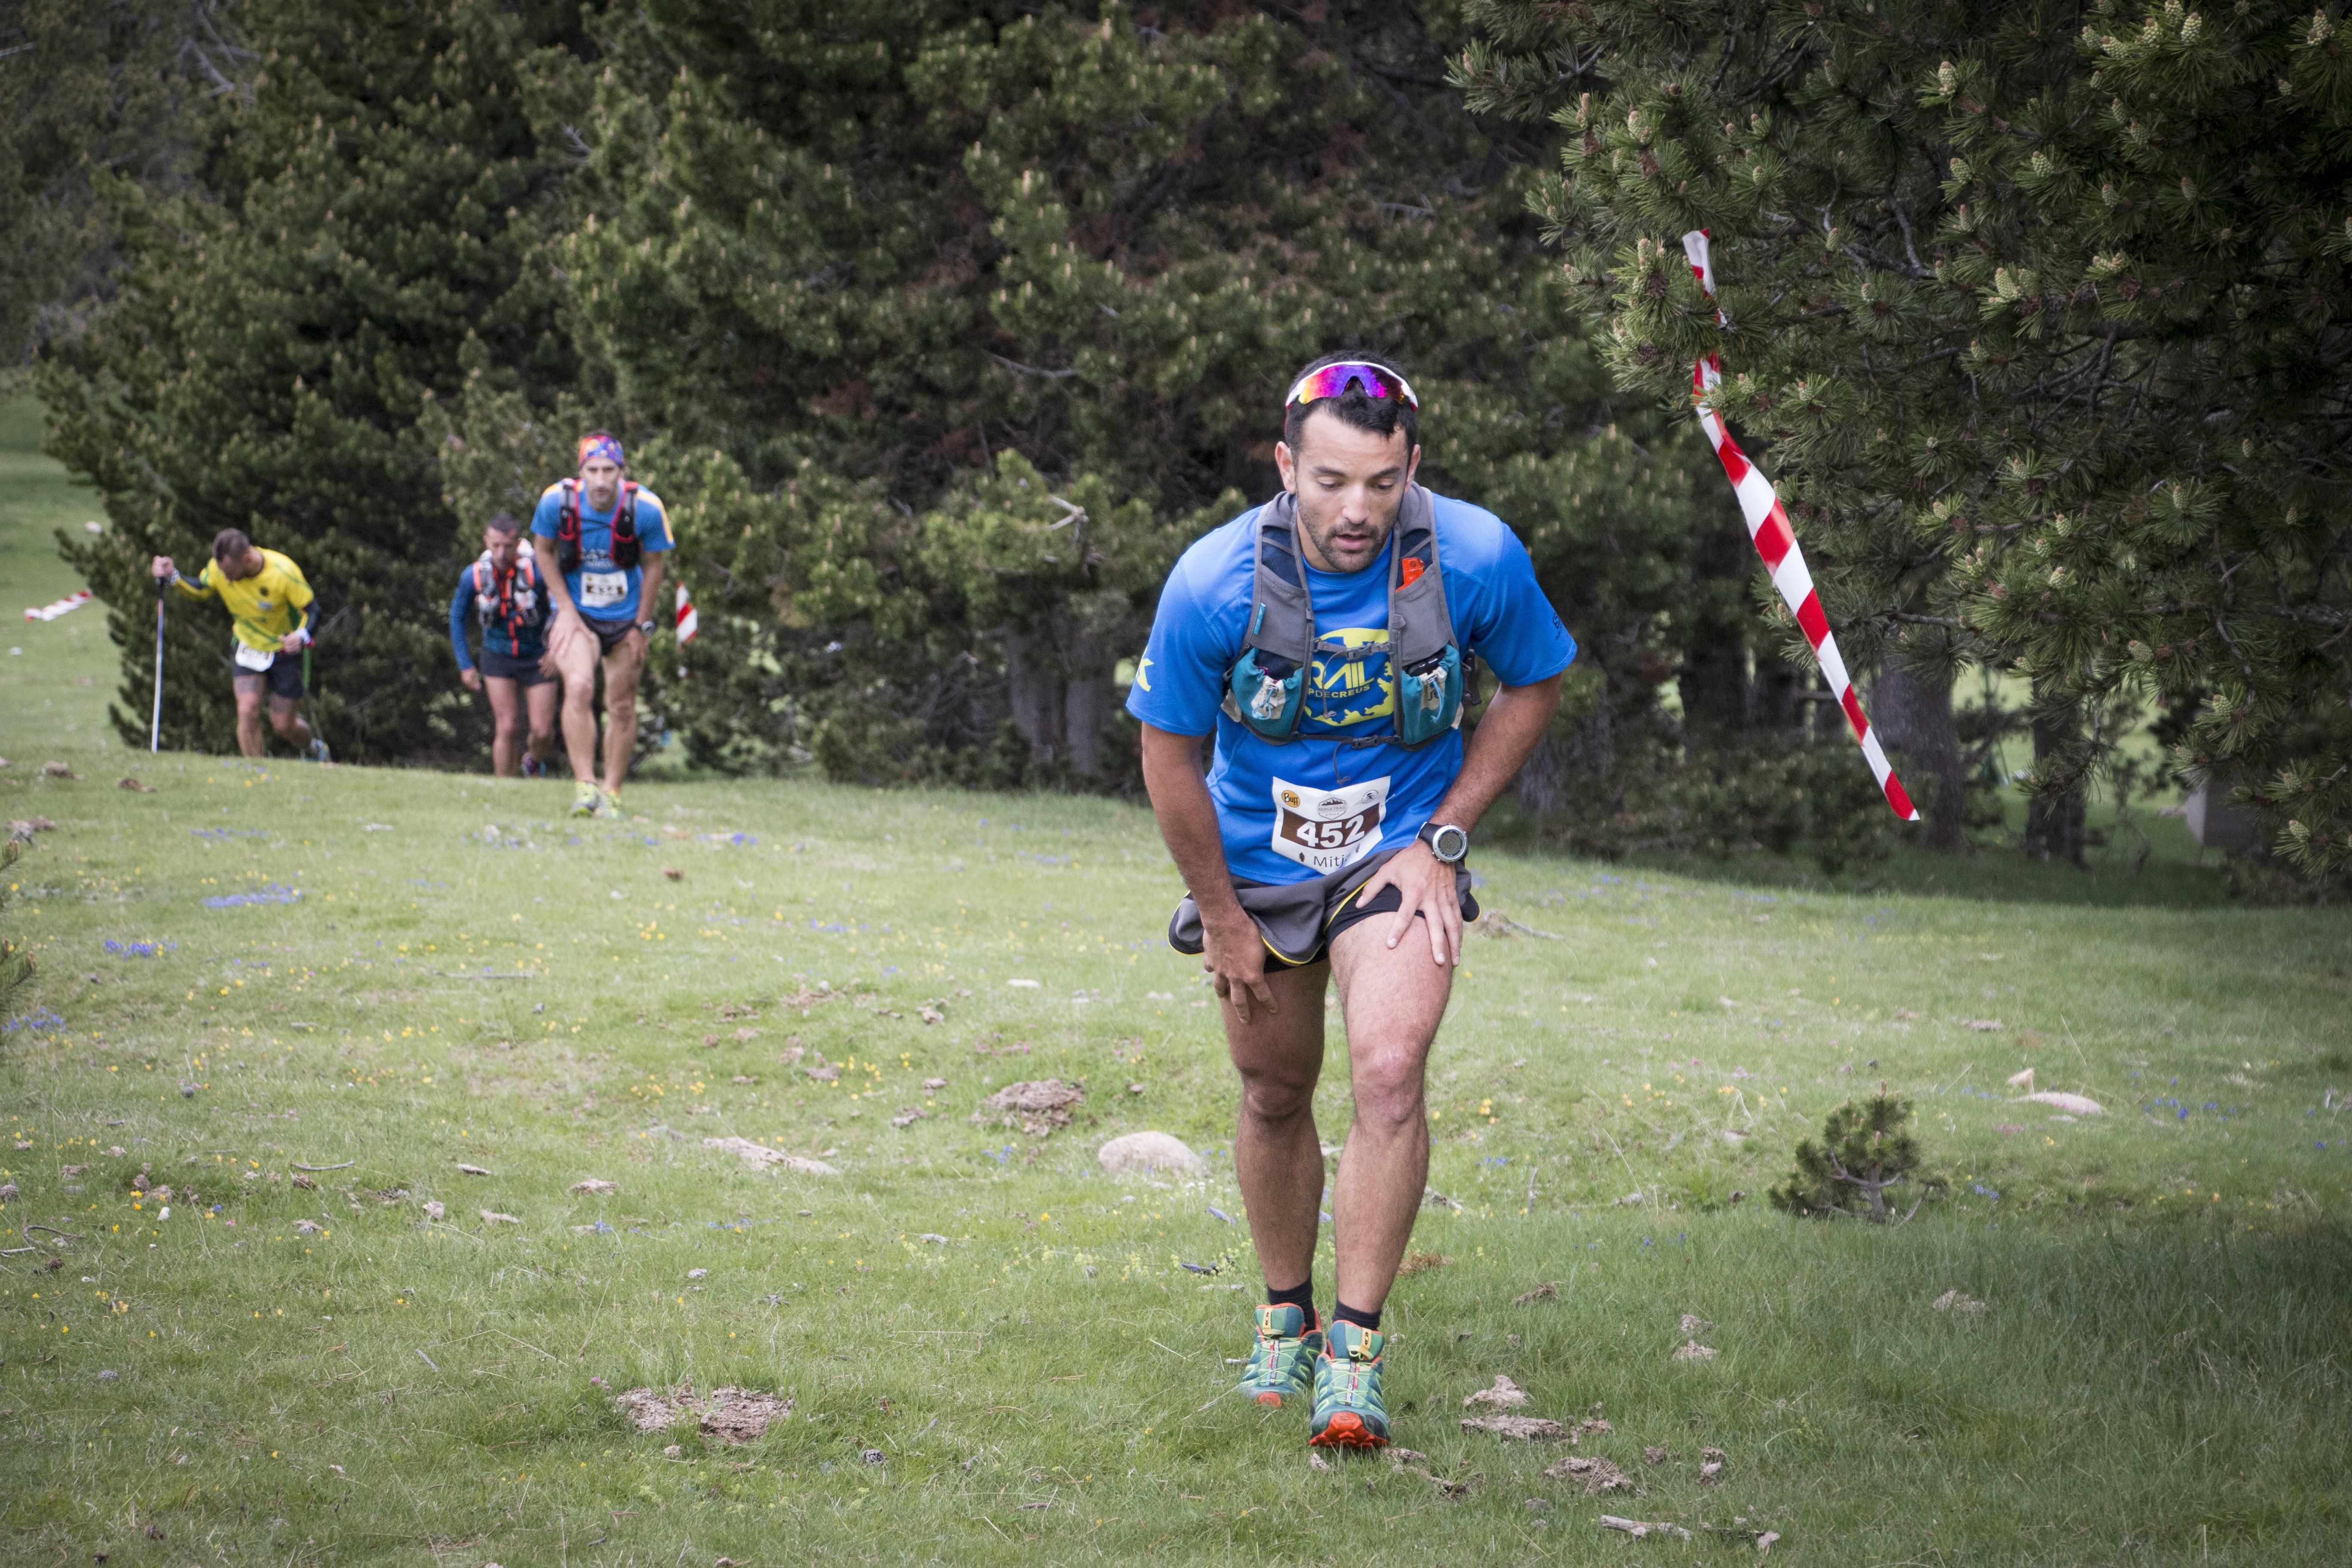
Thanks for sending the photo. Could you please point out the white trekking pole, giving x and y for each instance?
(155, 724)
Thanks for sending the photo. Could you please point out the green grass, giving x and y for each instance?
(55, 676)
(2159, 1377)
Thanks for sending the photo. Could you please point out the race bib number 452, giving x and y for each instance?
(1329, 830)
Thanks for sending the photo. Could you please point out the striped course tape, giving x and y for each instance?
(55, 608)
(1776, 542)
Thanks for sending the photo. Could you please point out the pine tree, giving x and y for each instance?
(2038, 315)
(91, 95)
(1864, 1150)
(952, 325)
(362, 238)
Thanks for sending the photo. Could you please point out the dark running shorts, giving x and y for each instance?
(282, 680)
(1298, 919)
(610, 635)
(497, 666)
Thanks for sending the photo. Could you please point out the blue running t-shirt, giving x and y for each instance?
(1309, 807)
(603, 592)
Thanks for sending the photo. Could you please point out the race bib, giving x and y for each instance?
(1329, 830)
(255, 658)
(601, 590)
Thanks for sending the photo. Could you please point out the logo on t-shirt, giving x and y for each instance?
(1353, 686)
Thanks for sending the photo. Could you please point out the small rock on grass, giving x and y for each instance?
(1594, 1475)
(1519, 1428)
(137, 787)
(1655, 1454)
(596, 1185)
(758, 1156)
(1712, 1464)
(1693, 1325)
(1140, 1151)
(1691, 1350)
(2080, 1104)
(492, 1217)
(471, 1170)
(1958, 1301)
(1504, 1396)
(433, 1210)
(1546, 1291)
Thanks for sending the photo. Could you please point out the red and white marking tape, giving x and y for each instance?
(689, 622)
(1776, 542)
(51, 611)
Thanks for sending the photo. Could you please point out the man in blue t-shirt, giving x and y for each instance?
(502, 590)
(1336, 813)
(600, 539)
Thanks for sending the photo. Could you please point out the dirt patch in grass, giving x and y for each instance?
(727, 1414)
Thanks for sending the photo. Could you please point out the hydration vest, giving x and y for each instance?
(624, 527)
(1266, 688)
(518, 605)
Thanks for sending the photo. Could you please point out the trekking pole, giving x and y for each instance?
(155, 724)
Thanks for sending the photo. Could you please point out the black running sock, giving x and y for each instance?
(1343, 1314)
(1301, 1295)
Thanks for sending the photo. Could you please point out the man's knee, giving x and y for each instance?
(1276, 1096)
(1388, 1087)
(284, 720)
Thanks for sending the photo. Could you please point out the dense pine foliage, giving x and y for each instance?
(2039, 314)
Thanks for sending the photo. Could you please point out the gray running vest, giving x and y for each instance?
(1266, 688)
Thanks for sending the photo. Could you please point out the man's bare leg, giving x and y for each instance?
(248, 716)
(1277, 1159)
(506, 725)
(540, 700)
(288, 723)
(622, 667)
(1393, 999)
(575, 658)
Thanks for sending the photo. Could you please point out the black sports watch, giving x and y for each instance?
(1447, 842)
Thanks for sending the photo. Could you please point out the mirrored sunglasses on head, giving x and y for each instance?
(1331, 380)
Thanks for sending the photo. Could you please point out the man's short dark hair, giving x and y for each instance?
(230, 544)
(505, 522)
(1378, 416)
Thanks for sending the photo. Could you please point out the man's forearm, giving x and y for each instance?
(1188, 817)
(551, 576)
(1515, 721)
(649, 596)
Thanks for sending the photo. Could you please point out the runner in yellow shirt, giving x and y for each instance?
(269, 607)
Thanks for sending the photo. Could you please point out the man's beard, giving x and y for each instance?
(1323, 534)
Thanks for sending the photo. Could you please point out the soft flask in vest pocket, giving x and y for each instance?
(1429, 699)
(1268, 703)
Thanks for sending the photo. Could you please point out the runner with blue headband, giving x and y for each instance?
(1330, 640)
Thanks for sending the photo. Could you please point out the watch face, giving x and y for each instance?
(1448, 842)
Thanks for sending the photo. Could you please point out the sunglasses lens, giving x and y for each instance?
(1333, 380)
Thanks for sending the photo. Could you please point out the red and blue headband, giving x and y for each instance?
(606, 446)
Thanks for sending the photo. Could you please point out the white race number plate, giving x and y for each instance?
(601, 590)
(1328, 830)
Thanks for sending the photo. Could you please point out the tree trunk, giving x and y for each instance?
(1540, 778)
(1911, 710)
(2054, 823)
(1717, 693)
(1085, 705)
(1035, 690)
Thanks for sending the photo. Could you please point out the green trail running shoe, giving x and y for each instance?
(1348, 1413)
(585, 798)
(608, 806)
(1283, 1361)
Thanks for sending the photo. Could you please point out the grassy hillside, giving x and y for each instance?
(55, 677)
(428, 970)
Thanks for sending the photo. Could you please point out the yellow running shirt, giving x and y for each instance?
(264, 606)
